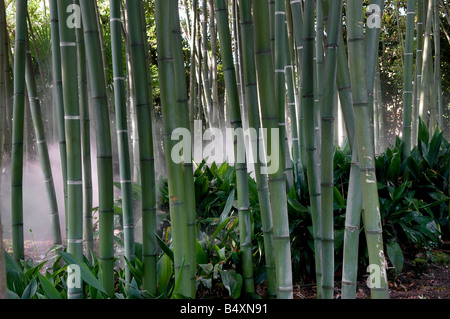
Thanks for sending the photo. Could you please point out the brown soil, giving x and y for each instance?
(430, 281)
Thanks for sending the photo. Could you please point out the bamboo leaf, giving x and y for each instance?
(30, 290)
(220, 227)
(164, 271)
(86, 273)
(164, 247)
(228, 206)
(435, 146)
(232, 281)
(395, 255)
(49, 289)
(202, 256)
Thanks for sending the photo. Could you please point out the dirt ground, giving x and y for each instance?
(419, 280)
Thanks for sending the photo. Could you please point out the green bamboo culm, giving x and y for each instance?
(143, 99)
(354, 198)
(424, 92)
(38, 124)
(372, 41)
(245, 234)
(308, 132)
(275, 170)
(73, 135)
(418, 71)
(3, 280)
(58, 95)
(279, 56)
(251, 103)
(408, 78)
(329, 108)
(292, 93)
(371, 213)
(104, 147)
(297, 26)
(122, 134)
(171, 122)
(188, 170)
(88, 233)
(18, 132)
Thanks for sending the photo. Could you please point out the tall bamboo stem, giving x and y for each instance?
(18, 132)
(329, 109)
(41, 142)
(277, 178)
(58, 95)
(188, 171)
(73, 139)
(122, 134)
(408, 84)
(308, 132)
(172, 121)
(371, 214)
(143, 99)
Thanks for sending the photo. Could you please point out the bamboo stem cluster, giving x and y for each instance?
(286, 68)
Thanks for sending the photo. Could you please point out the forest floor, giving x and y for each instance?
(424, 276)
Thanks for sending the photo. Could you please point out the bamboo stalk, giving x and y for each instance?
(280, 57)
(308, 132)
(424, 95)
(104, 147)
(18, 132)
(239, 152)
(85, 142)
(437, 67)
(408, 84)
(58, 96)
(41, 142)
(354, 198)
(418, 71)
(73, 139)
(329, 109)
(172, 121)
(122, 135)
(372, 41)
(188, 171)
(277, 178)
(251, 104)
(143, 98)
(3, 282)
(194, 48)
(371, 214)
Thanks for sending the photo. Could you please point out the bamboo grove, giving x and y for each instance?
(288, 68)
